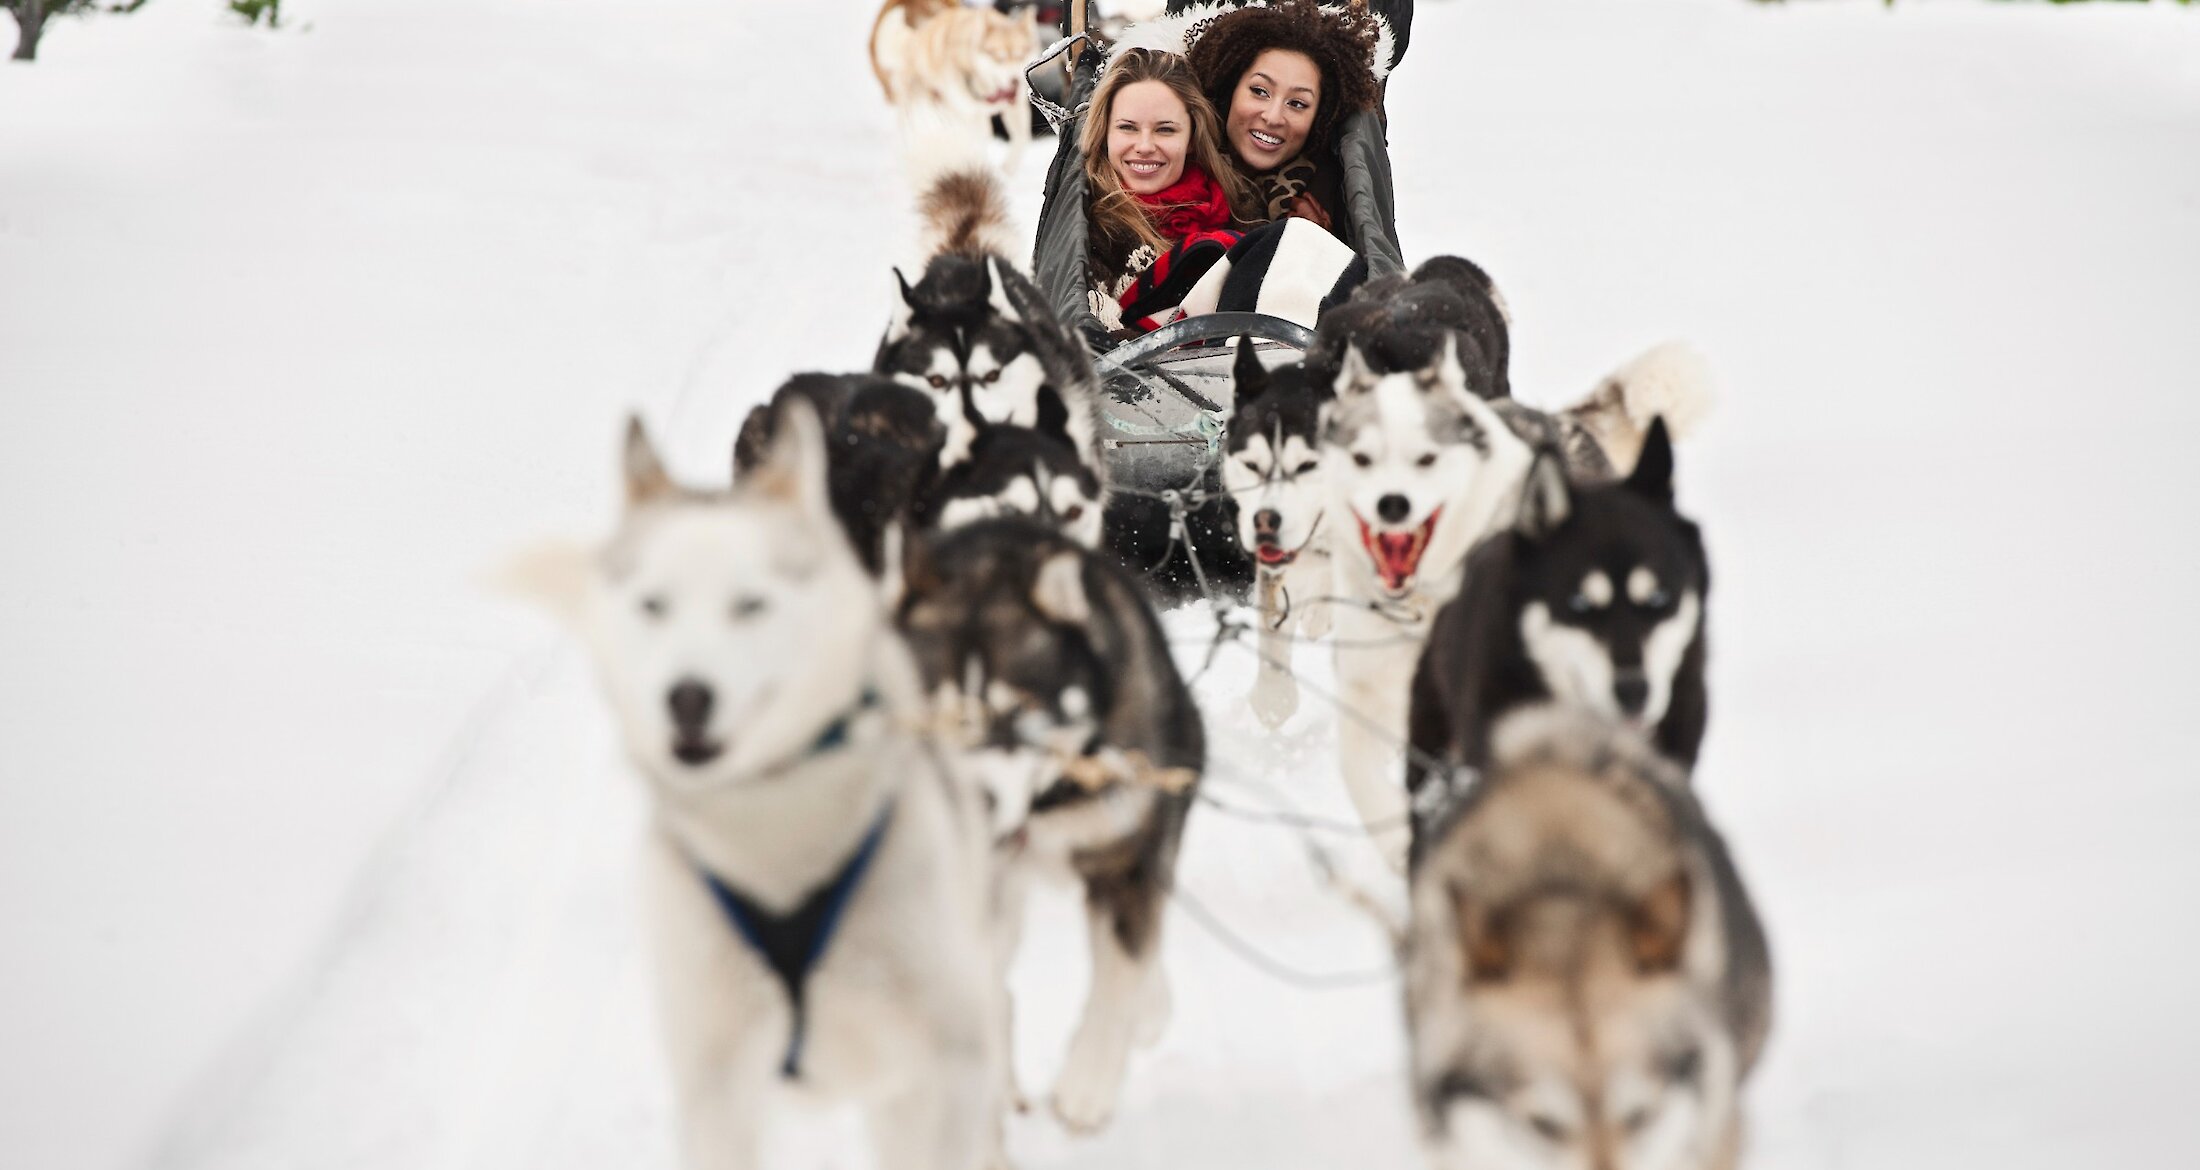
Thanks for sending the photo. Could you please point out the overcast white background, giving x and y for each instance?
(313, 854)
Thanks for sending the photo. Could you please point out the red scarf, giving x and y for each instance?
(1194, 215)
(1191, 205)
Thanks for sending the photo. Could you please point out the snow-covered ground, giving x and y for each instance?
(312, 854)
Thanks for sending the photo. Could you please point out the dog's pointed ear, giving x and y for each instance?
(1353, 372)
(553, 575)
(1485, 937)
(1657, 925)
(1059, 589)
(646, 479)
(1545, 498)
(753, 442)
(905, 307)
(1249, 376)
(1653, 473)
(996, 296)
(793, 470)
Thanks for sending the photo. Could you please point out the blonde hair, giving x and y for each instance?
(1117, 214)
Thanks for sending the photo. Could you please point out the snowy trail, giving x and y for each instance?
(312, 854)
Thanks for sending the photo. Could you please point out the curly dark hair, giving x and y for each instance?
(1341, 43)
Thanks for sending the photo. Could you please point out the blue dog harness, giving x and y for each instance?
(792, 943)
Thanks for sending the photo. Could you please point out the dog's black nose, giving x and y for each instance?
(1266, 522)
(1393, 508)
(690, 702)
(1632, 689)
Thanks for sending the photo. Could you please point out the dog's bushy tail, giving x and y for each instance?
(962, 204)
(1671, 380)
(965, 212)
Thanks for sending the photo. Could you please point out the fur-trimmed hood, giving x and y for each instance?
(1174, 34)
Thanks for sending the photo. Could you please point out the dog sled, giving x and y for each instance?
(1166, 393)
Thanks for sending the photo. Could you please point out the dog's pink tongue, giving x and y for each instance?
(1396, 554)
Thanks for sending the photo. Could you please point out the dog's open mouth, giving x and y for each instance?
(696, 752)
(1397, 555)
(1270, 552)
(1002, 96)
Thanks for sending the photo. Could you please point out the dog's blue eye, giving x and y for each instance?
(654, 606)
(1658, 599)
(745, 608)
(1580, 603)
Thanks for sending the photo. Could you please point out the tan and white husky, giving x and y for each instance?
(950, 70)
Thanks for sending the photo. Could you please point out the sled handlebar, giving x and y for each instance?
(1206, 327)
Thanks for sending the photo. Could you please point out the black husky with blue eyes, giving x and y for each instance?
(1595, 598)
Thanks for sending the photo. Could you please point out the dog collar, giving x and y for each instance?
(792, 943)
(834, 736)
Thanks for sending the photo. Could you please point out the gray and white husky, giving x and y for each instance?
(1424, 459)
(1050, 661)
(1587, 984)
(816, 876)
(1272, 470)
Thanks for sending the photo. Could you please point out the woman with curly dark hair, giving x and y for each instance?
(1283, 75)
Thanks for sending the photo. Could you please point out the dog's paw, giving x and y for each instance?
(1085, 1094)
(1275, 698)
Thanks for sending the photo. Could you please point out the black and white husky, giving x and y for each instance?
(1048, 659)
(817, 876)
(883, 442)
(1017, 471)
(1272, 470)
(978, 337)
(1594, 598)
(1587, 983)
(1425, 457)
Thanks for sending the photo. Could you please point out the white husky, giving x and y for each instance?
(1420, 470)
(816, 881)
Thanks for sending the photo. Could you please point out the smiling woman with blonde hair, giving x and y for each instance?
(1164, 193)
